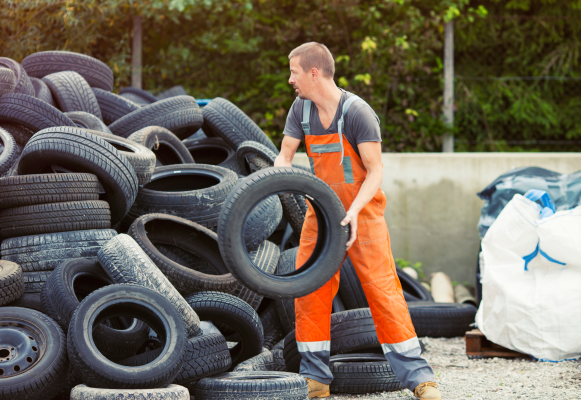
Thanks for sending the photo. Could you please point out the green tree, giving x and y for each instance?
(387, 51)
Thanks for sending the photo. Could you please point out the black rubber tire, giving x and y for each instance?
(139, 302)
(7, 81)
(353, 295)
(224, 119)
(262, 222)
(125, 262)
(441, 319)
(245, 152)
(205, 356)
(179, 114)
(69, 284)
(54, 217)
(265, 258)
(22, 83)
(137, 99)
(412, 289)
(48, 308)
(251, 386)
(34, 281)
(31, 112)
(81, 151)
(362, 373)
(72, 92)
(95, 72)
(278, 363)
(41, 91)
(213, 151)
(142, 97)
(350, 287)
(28, 300)
(338, 304)
(253, 156)
(10, 151)
(286, 307)
(44, 378)
(26, 190)
(11, 282)
(271, 326)
(173, 91)
(16, 158)
(47, 251)
(166, 146)
(88, 121)
(351, 331)
(113, 106)
(325, 260)
(192, 191)
(185, 258)
(261, 362)
(179, 232)
(172, 392)
(21, 134)
(231, 312)
(140, 157)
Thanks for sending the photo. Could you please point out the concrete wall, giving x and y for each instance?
(432, 208)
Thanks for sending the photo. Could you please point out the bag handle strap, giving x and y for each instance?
(536, 194)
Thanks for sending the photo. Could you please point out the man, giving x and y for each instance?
(343, 142)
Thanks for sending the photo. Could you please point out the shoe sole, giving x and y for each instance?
(319, 394)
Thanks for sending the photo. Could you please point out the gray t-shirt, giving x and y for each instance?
(361, 122)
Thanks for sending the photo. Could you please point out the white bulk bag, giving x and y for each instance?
(531, 282)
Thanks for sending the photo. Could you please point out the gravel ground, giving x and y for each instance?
(461, 378)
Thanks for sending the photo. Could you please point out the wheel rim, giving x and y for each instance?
(21, 347)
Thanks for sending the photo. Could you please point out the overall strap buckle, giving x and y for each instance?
(306, 117)
(341, 122)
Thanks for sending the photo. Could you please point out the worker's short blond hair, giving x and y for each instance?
(315, 55)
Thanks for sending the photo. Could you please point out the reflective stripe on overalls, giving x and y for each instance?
(334, 161)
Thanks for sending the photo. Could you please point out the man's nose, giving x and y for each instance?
(291, 80)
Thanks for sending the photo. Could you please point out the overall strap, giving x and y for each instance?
(306, 117)
(341, 122)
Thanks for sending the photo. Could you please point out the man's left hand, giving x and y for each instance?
(351, 218)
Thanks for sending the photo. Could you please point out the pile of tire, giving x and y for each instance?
(148, 249)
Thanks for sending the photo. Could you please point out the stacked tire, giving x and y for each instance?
(148, 249)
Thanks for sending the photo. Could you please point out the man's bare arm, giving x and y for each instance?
(371, 156)
(287, 152)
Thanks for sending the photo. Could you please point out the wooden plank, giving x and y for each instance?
(478, 345)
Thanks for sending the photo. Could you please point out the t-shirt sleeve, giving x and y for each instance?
(364, 123)
(293, 127)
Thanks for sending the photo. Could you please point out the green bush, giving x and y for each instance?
(387, 51)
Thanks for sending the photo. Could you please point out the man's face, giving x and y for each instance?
(301, 80)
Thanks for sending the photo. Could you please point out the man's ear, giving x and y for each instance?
(315, 74)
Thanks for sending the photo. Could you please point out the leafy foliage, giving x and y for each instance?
(388, 51)
(517, 85)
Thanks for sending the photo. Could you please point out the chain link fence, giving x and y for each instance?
(517, 84)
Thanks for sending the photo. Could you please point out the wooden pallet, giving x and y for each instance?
(478, 346)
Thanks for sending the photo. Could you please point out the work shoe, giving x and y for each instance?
(426, 391)
(317, 389)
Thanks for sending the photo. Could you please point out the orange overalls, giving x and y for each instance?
(334, 161)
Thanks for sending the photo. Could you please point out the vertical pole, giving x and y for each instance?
(136, 53)
(448, 145)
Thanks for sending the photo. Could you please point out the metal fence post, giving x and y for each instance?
(448, 145)
(136, 53)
